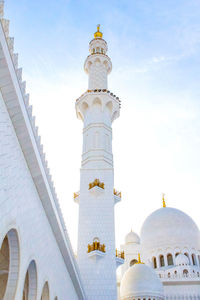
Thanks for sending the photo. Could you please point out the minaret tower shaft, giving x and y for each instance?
(97, 108)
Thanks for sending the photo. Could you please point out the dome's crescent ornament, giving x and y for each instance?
(163, 199)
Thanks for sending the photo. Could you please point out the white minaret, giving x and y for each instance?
(97, 108)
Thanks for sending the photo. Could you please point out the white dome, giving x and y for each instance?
(132, 238)
(181, 260)
(169, 227)
(140, 281)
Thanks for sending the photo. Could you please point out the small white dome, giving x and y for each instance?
(181, 260)
(132, 238)
(141, 281)
(169, 227)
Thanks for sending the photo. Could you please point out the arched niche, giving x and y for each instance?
(185, 273)
(97, 102)
(162, 261)
(45, 292)
(9, 265)
(194, 261)
(133, 262)
(170, 259)
(154, 261)
(97, 61)
(109, 106)
(84, 107)
(30, 283)
(89, 65)
(105, 63)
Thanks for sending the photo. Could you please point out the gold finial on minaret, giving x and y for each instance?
(163, 199)
(98, 34)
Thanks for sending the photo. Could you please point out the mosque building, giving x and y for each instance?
(170, 247)
(37, 261)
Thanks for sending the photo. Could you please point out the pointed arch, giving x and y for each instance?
(109, 105)
(30, 282)
(97, 61)
(194, 261)
(154, 262)
(45, 292)
(9, 265)
(105, 63)
(97, 102)
(170, 259)
(162, 261)
(84, 107)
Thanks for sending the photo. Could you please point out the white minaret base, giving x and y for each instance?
(96, 220)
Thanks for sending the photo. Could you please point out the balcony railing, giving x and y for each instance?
(116, 193)
(96, 182)
(96, 246)
(119, 254)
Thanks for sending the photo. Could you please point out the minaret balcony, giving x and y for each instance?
(117, 196)
(76, 197)
(107, 101)
(119, 258)
(96, 187)
(96, 250)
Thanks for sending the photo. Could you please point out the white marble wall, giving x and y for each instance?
(22, 210)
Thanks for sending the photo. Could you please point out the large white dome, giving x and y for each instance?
(140, 281)
(132, 238)
(169, 227)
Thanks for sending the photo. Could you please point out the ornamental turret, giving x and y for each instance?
(98, 65)
(97, 108)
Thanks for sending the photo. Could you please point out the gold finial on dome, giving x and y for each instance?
(139, 260)
(163, 199)
(98, 34)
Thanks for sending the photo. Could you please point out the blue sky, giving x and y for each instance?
(155, 50)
